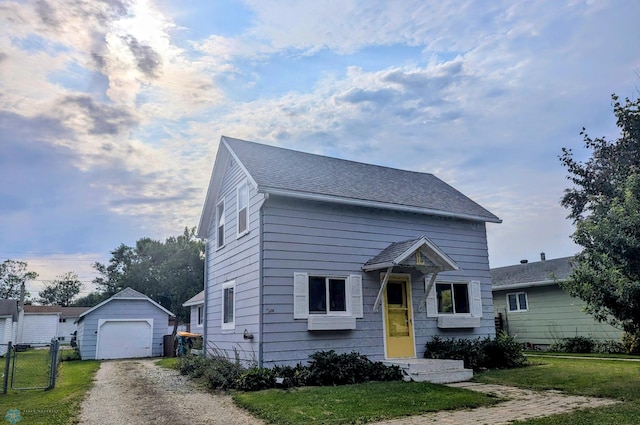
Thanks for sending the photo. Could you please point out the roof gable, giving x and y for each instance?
(292, 173)
(125, 294)
(432, 258)
(537, 273)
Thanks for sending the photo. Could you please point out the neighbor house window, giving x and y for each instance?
(228, 305)
(243, 208)
(452, 298)
(62, 320)
(517, 301)
(200, 314)
(220, 222)
(327, 295)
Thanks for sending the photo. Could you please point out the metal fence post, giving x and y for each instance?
(7, 362)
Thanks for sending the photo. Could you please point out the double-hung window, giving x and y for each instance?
(228, 305)
(220, 224)
(517, 301)
(243, 208)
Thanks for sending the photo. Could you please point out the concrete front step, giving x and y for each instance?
(433, 370)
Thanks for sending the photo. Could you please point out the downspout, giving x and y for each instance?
(260, 283)
(206, 297)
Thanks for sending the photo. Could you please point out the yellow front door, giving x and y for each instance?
(399, 318)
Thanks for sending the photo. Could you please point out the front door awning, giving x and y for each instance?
(420, 254)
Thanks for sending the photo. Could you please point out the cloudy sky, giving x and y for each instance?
(111, 111)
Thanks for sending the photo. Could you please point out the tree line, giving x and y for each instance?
(168, 272)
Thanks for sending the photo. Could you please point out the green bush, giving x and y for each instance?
(256, 379)
(631, 342)
(330, 368)
(578, 344)
(67, 355)
(501, 352)
(609, 347)
(325, 368)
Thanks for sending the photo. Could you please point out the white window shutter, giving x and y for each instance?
(357, 309)
(432, 302)
(476, 298)
(300, 295)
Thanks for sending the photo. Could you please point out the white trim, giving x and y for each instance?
(101, 322)
(229, 325)
(116, 297)
(224, 224)
(240, 234)
(406, 278)
(520, 309)
(522, 285)
(376, 204)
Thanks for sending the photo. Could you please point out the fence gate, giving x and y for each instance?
(31, 366)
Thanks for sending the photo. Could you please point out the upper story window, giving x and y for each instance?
(517, 301)
(453, 298)
(243, 208)
(220, 224)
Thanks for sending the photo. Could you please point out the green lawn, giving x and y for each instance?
(356, 404)
(58, 406)
(596, 378)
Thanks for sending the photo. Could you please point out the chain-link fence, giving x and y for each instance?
(30, 366)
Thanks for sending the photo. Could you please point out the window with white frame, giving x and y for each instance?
(517, 301)
(228, 305)
(200, 314)
(316, 295)
(220, 224)
(453, 298)
(243, 208)
(327, 295)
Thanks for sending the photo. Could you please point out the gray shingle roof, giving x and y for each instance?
(530, 274)
(276, 169)
(195, 300)
(392, 252)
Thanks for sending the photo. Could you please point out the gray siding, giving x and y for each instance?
(237, 261)
(121, 309)
(193, 320)
(321, 238)
(552, 314)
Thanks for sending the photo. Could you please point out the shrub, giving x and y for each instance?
(631, 342)
(70, 355)
(330, 368)
(221, 373)
(609, 347)
(576, 344)
(256, 379)
(297, 376)
(498, 353)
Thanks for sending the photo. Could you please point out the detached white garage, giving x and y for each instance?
(127, 325)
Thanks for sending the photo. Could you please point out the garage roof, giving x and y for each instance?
(125, 294)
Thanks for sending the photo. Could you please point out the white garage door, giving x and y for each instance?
(123, 339)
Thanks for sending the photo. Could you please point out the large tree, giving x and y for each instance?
(13, 275)
(169, 272)
(61, 291)
(604, 204)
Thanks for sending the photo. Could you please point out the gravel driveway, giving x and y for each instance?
(137, 392)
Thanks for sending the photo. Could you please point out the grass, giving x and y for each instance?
(58, 406)
(168, 362)
(587, 355)
(619, 380)
(356, 404)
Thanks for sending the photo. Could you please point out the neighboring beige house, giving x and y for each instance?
(530, 305)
